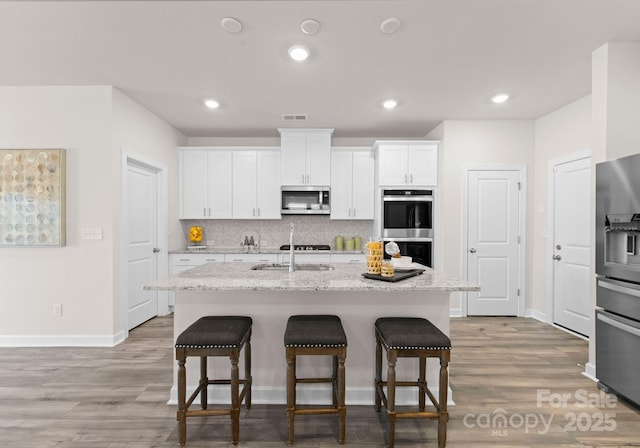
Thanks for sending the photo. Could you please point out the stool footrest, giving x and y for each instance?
(310, 411)
(207, 412)
(314, 380)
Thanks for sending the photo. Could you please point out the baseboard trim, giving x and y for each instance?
(537, 315)
(62, 340)
(590, 371)
(307, 396)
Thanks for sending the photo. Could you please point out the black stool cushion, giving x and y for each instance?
(399, 333)
(215, 332)
(314, 331)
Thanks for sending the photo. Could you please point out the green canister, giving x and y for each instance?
(350, 244)
(357, 243)
(339, 243)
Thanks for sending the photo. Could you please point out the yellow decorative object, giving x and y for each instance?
(195, 234)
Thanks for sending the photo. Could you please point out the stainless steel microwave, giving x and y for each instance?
(305, 200)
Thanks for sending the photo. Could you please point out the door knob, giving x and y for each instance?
(557, 257)
(156, 250)
(558, 247)
(472, 250)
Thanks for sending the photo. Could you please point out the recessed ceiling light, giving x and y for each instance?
(389, 104)
(500, 98)
(310, 26)
(299, 53)
(390, 26)
(211, 104)
(231, 25)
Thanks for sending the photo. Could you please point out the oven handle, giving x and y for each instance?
(410, 240)
(613, 285)
(625, 325)
(407, 198)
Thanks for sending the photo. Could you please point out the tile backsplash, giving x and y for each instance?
(227, 233)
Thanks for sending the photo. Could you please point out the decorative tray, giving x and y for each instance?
(397, 276)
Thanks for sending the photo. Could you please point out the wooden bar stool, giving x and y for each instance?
(214, 336)
(316, 335)
(408, 337)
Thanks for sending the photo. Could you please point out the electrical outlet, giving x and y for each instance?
(57, 309)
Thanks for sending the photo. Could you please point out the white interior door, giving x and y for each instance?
(571, 244)
(493, 226)
(142, 249)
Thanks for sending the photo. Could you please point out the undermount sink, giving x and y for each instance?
(299, 267)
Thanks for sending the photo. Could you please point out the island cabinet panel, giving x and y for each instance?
(270, 311)
(352, 184)
(205, 184)
(270, 297)
(305, 156)
(407, 163)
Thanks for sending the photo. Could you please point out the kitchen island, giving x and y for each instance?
(271, 296)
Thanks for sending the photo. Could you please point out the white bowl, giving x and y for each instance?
(401, 262)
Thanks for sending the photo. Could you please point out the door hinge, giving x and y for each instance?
(518, 292)
(519, 186)
(519, 239)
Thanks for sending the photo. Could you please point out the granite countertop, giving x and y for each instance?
(265, 250)
(345, 277)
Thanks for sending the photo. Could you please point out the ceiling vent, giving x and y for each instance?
(294, 117)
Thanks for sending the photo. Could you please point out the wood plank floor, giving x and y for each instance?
(513, 368)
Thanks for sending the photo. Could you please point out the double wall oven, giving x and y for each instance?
(407, 219)
(618, 276)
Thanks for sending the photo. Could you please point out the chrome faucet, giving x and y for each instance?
(292, 258)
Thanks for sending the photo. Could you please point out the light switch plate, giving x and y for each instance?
(91, 233)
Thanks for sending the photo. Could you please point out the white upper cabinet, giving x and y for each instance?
(305, 156)
(352, 184)
(256, 184)
(407, 163)
(204, 184)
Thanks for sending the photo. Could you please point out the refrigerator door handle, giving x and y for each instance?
(615, 286)
(625, 326)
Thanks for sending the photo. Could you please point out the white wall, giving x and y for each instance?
(92, 124)
(559, 133)
(145, 136)
(78, 276)
(615, 87)
(466, 143)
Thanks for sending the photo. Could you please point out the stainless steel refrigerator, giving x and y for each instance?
(618, 276)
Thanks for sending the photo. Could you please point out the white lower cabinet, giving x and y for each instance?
(182, 262)
(348, 258)
(251, 258)
(310, 257)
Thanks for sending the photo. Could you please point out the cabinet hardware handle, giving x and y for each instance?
(411, 178)
(405, 178)
(302, 178)
(156, 250)
(254, 212)
(557, 257)
(204, 211)
(354, 212)
(472, 250)
(184, 259)
(258, 211)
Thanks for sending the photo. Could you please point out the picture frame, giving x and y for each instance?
(32, 197)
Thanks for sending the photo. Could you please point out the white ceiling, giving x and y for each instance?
(448, 58)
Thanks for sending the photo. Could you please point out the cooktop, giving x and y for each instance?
(306, 247)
